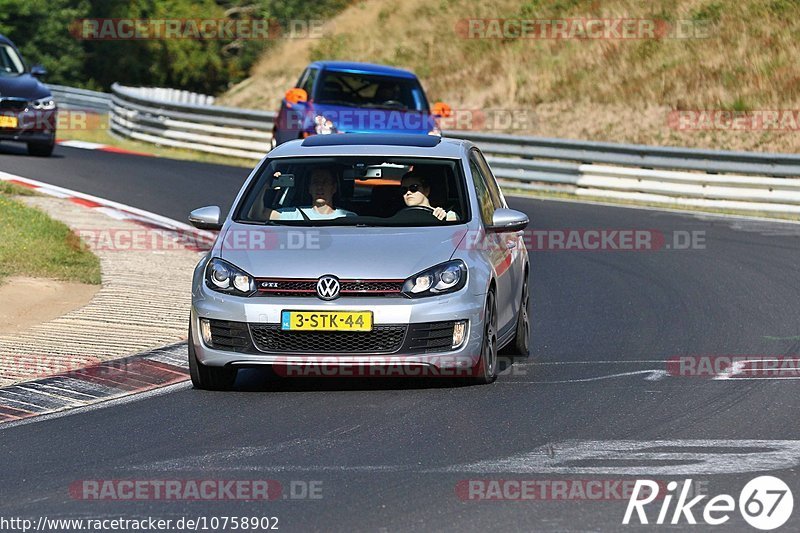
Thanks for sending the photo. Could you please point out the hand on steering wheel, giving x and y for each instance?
(439, 213)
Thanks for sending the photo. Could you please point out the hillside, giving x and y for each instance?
(602, 89)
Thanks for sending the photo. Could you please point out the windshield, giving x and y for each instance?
(10, 62)
(363, 90)
(355, 191)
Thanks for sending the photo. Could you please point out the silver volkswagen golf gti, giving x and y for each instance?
(362, 255)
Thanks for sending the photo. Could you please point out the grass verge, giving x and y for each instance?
(33, 244)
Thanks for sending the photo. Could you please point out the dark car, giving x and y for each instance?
(27, 109)
(347, 97)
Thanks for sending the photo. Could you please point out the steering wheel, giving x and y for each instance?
(418, 208)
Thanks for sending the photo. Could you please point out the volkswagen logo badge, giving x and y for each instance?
(328, 288)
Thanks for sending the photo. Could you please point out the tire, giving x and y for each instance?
(520, 344)
(485, 371)
(209, 377)
(41, 149)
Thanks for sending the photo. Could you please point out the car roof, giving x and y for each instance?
(379, 144)
(5, 40)
(363, 68)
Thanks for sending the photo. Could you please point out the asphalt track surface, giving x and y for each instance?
(390, 455)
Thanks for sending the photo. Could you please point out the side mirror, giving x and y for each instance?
(38, 71)
(508, 220)
(441, 109)
(296, 95)
(206, 218)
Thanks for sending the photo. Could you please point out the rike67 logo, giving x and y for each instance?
(765, 503)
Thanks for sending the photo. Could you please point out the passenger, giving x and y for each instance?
(416, 191)
(322, 185)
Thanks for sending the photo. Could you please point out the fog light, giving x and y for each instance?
(459, 333)
(205, 331)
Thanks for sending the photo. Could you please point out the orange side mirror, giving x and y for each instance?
(442, 109)
(296, 95)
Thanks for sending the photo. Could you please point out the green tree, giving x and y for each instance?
(40, 28)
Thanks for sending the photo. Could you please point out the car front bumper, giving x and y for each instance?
(462, 305)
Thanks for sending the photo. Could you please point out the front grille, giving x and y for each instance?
(230, 336)
(430, 337)
(13, 104)
(348, 287)
(382, 339)
(422, 338)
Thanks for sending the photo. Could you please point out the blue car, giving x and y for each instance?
(27, 110)
(347, 97)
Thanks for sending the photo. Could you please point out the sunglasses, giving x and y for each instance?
(414, 187)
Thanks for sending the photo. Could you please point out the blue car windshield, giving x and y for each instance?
(370, 91)
(10, 62)
(356, 191)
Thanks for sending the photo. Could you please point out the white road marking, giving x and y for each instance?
(676, 458)
(650, 375)
(571, 457)
(85, 145)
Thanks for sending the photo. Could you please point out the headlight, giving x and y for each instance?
(43, 104)
(447, 277)
(323, 126)
(222, 276)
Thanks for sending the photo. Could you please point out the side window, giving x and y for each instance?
(308, 84)
(485, 203)
(302, 79)
(494, 190)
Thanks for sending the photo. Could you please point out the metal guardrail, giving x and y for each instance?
(213, 129)
(677, 176)
(72, 98)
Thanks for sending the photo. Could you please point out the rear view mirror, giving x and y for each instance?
(38, 71)
(296, 95)
(206, 218)
(362, 173)
(508, 220)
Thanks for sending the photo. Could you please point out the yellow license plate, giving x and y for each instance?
(326, 320)
(8, 122)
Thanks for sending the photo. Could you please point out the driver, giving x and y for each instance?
(416, 190)
(322, 185)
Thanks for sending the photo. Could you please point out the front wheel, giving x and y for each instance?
(486, 370)
(209, 377)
